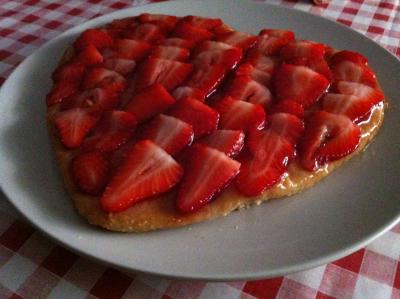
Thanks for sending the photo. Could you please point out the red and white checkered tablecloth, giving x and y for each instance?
(31, 266)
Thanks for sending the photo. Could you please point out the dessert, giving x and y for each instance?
(160, 121)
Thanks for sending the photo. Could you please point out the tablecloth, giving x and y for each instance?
(32, 266)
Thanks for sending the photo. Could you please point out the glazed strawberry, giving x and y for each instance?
(69, 72)
(299, 83)
(125, 23)
(73, 125)
(168, 132)
(147, 171)
(130, 49)
(207, 23)
(263, 63)
(246, 69)
(120, 65)
(287, 126)
(302, 48)
(354, 100)
(316, 64)
(206, 78)
(170, 53)
(245, 89)
(208, 171)
(60, 91)
(113, 130)
(210, 45)
(238, 39)
(164, 21)
(270, 42)
(346, 55)
(240, 115)
(189, 92)
(98, 38)
(288, 106)
(102, 77)
(286, 35)
(203, 118)
(166, 72)
(327, 137)
(90, 172)
(266, 164)
(178, 42)
(223, 29)
(89, 56)
(149, 102)
(229, 142)
(228, 58)
(349, 71)
(191, 32)
(146, 33)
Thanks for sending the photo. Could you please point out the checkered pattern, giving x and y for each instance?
(31, 266)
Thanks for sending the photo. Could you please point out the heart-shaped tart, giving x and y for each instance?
(161, 121)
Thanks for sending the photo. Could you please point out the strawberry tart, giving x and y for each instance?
(160, 121)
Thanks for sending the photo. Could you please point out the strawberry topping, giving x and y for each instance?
(130, 49)
(229, 142)
(98, 38)
(171, 53)
(238, 39)
(288, 106)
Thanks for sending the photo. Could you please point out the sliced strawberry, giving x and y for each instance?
(164, 21)
(73, 125)
(125, 23)
(354, 100)
(207, 23)
(102, 77)
(229, 142)
(113, 130)
(246, 69)
(171, 53)
(264, 63)
(299, 83)
(270, 43)
(69, 72)
(266, 164)
(191, 32)
(120, 65)
(166, 72)
(98, 38)
(60, 91)
(90, 172)
(286, 35)
(130, 49)
(189, 92)
(223, 29)
(238, 39)
(316, 64)
(149, 102)
(206, 78)
(228, 58)
(178, 42)
(168, 132)
(245, 89)
(201, 117)
(147, 171)
(240, 115)
(327, 137)
(302, 48)
(89, 56)
(288, 106)
(210, 45)
(346, 55)
(286, 125)
(146, 33)
(208, 172)
(349, 71)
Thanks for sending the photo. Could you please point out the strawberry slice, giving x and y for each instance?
(206, 78)
(245, 89)
(113, 130)
(246, 69)
(98, 38)
(130, 49)
(90, 172)
(327, 137)
(170, 133)
(69, 72)
(73, 125)
(354, 100)
(266, 64)
(201, 117)
(349, 71)
(208, 172)
(229, 142)
(288, 106)
(228, 58)
(207, 23)
(286, 35)
(240, 115)
(102, 77)
(166, 72)
(164, 21)
(178, 42)
(120, 65)
(60, 91)
(147, 171)
(89, 56)
(270, 42)
(266, 164)
(316, 64)
(146, 33)
(125, 23)
(189, 92)
(222, 29)
(346, 55)
(149, 102)
(302, 48)
(286, 125)
(299, 83)
(210, 45)
(238, 39)
(171, 53)
(191, 32)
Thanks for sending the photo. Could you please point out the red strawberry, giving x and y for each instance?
(125, 23)
(147, 171)
(201, 117)
(266, 164)
(245, 89)
(207, 23)
(345, 55)
(302, 48)
(206, 78)
(288, 106)
(210, 45)
(349, 71)
(177, 42)
(327, 137)
(207, 173)
(164, 21)
(271, 43)
(223, 29)
(73, 125)
(69, 72)
(316, 64)
(240, 115)
(228, 58)
(89, 56)
(145, 33)
(166, 72)
(286, 35)
(189, 92)
(102, 77)
(263, 63)
(149, 102)
(90, 172)
(98, 38)
(354, 100)
(246, 69)
(120, 65)
(188, 31)
(170, 133)
(229, 142)
(113, 130)
(60, 91)
(171, 53)
(299, 83)
(238, 39)
(287, 126)
(130, 49)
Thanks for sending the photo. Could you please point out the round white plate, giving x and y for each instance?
(344, 212)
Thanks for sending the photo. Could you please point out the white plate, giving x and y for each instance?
(344, 212)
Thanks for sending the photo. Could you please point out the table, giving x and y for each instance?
(32, 266)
